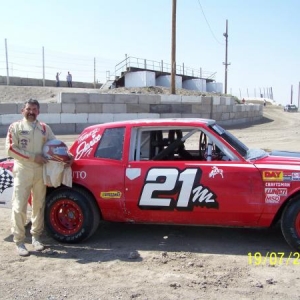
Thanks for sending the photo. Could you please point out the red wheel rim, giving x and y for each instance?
(297, 224)
(66, 217)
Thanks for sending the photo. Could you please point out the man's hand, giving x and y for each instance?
(69, 163)
(39, 159)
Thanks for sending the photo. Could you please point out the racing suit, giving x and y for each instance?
(24, 140)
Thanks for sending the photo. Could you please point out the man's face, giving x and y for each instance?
(30, 112)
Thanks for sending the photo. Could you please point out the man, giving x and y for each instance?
(69, 79)
(24, 142)
(57, 79)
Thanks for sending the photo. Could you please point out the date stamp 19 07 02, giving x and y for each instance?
(274, 258)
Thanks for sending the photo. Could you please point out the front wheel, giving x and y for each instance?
(71, 215)
(290, 223)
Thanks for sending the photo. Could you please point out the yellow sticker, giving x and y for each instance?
(273, 175)
(111, 194)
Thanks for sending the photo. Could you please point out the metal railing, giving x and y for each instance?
(160, 66)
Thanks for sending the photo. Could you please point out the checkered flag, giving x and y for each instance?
(6, 179)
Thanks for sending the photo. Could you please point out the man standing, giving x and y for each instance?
(24, 142)
(57, 79)
(69, 79)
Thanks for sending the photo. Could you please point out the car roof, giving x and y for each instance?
(158, 122)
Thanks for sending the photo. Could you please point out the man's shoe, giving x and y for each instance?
(37, 245)
(21, 249)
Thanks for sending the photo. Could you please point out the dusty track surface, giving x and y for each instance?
(123, 261)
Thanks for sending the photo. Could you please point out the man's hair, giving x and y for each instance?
(33, 102)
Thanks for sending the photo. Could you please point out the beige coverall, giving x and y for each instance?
(24, 140)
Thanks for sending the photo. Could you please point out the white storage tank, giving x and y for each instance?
(165, 80)
(195, 84)
(214, 87)
(139, 79)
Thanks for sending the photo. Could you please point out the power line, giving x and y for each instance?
(208, 24)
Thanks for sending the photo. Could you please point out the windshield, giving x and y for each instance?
(248, 154)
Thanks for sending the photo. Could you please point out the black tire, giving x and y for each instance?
(290, 223)
(71, 215)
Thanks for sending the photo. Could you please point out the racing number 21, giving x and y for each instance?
(166, 183)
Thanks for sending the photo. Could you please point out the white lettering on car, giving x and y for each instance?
(84, 149)
(169, 188)
(79, 174)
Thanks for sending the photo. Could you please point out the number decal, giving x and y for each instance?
(168, 188)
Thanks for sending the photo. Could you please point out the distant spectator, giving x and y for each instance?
(265, 102)
(69, 79)
(57, 79)
(243, 101)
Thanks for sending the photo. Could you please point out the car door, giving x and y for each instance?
(193, 192)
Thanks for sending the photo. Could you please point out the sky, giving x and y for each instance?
(263, 39)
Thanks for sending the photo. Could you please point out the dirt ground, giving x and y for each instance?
(125, 261)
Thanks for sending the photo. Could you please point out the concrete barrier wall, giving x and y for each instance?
(21, 81)
(75, 111)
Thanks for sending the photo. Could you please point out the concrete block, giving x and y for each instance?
(123, 117)
(54, 108)
(101, 98)
(137, 108)
(114, 108)
(65, 129)
(160, 108)
(191, 116)
(170, 115)
(126, 98)
(10, 118)
(216, 100)
(148, 116)
(206, 100)
(3, 130)
(74, 97)
(74, 118)
(68, 108)
(149, 99)
(88, 108)
(50, 118)
(8, 108)
(95, 118)
(225, 116)
(180, 108)
(170, 98)
(191, 99)
(196, 108)
(206, 108)
(105, 118)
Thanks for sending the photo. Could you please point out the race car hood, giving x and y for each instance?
(280, 158)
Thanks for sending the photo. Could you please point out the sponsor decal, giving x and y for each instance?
(170, 189)
(6, 179)
(273, 175)
(271, 198)
(23, 132)
(85, 147)
(278, 184)
(79, 174)
(111, 194)
(296, 176)
(276, 191)
(287, 177)
(215, 171)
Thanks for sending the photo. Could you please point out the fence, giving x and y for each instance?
(25, 62)
(141, 63)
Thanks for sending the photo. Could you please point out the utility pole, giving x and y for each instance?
(226, 55)
(291, 94)
(173, 55)
(7, 72)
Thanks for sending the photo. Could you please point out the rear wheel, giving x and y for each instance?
(71, 215)
(290, 223)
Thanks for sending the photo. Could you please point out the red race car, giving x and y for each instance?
(173, 171)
